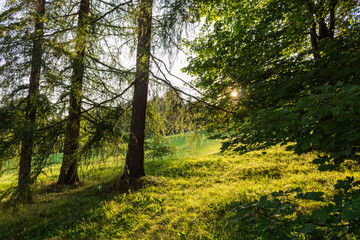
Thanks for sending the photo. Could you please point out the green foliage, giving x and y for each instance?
(279, 218)
(104, 131)
(12, 125)
(291, 89)
(158, 149)
(170, 114)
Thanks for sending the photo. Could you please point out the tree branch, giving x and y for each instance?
(111, 11)
(89, 109)
(168, 71)
(177, 90)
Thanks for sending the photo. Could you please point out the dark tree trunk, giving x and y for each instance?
(332, 8)
(312, 30)
(314, 41)
(134, 164)
(69, 168)
(24, 181)
(325, 30)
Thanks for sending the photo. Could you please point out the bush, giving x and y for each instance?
(279, 218)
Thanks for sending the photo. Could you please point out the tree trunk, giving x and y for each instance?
(326, 30)
(134, 164)
(332, 8)
(69, 168)
(24, 181)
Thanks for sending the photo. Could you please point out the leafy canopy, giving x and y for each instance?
(296, 66)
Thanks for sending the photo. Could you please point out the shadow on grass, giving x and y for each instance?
(59, 208)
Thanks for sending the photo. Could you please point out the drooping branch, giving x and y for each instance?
(109, 100)
(89, 109)
(115, 7)
(114, 69)
(177, 91)
(155, 60)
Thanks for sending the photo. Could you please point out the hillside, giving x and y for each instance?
(188, 195)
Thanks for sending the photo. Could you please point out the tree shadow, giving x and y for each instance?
(58, 208)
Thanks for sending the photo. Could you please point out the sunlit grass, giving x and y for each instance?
(185, 196)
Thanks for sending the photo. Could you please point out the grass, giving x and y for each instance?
(184, 196)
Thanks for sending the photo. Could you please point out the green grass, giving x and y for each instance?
(188, 195)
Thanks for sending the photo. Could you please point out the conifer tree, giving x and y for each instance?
(69, 168)
(24, 181)
(134, 165)
(169, 27)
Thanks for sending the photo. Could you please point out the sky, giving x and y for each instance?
(174, 63)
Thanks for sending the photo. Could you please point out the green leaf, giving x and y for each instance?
(336, 110)
(316, 196)
(326, 167)
(351, 215)
(307, 228)
(263, 199)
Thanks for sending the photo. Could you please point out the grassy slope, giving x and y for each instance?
(183, 197)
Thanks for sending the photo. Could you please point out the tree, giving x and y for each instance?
(294, 65)
(24, 182)
(134, 165)
(68, 173)
(169, 27)
(29, 127)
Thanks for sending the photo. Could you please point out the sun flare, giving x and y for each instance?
(234, 94)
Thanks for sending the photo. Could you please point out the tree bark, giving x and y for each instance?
(69, 168)
(325, 30)
(332, 8)
(134, 164)
(312, 30)
(24, 181)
